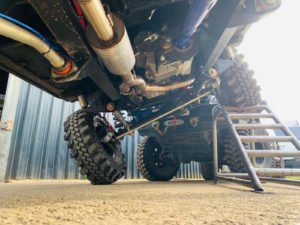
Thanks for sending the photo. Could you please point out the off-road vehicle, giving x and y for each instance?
(166, 63)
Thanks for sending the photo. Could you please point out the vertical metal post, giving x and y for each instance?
(215, 150)
(252, 145)
(281, 159)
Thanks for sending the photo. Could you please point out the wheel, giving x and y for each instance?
(207, 171)
(153, 164)
(238, 87)
(94, 147)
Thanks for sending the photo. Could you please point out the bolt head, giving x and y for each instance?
(168, 40)
(213, 73)
(110, 106)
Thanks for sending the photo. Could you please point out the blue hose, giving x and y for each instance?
(29, 29)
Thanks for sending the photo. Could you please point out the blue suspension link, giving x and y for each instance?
(196, 14)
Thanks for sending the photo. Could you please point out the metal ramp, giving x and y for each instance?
(254, 175)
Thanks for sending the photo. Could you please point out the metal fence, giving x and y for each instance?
(38, 150)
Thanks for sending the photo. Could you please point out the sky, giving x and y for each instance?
(272, 49)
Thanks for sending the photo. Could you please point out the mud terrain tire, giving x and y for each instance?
(238, 86)
(102, 163)
(232, 155)
(149, 164)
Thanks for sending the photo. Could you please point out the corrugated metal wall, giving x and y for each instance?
(38, 149)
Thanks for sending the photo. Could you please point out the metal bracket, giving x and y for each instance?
(7, 126)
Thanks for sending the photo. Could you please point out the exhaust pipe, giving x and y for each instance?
(17, 33)
(95, 14)
(130, 80)
(108, 37)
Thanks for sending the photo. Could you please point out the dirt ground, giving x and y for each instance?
(142, 202)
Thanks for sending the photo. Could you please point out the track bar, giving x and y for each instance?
(163, 115)
(273, 153)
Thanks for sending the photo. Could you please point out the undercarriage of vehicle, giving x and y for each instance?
(166, 63)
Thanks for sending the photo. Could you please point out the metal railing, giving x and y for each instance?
(251, 114)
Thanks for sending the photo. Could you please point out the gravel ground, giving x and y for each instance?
(142, 202)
